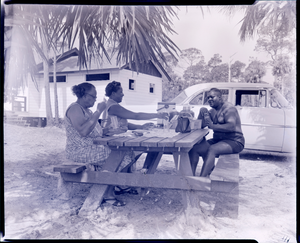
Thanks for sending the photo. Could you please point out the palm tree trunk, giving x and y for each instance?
(55, 91)
(46, 84)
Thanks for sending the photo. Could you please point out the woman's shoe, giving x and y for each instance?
(119, 191)
(114, 201)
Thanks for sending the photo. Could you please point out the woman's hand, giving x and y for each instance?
(163, 115)
(101, 106)
(147, 126)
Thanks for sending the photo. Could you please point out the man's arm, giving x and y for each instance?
(201, 116)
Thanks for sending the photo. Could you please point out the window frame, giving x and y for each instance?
(132, 83)
(88, 77)
(153, 88)
(256, 93)
(51, 79)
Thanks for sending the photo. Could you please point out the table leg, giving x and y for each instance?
(64, 188)
(182, 163)
(152, 161)
(95, 197)
(190, 198)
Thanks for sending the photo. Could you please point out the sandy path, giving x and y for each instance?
(267, 199)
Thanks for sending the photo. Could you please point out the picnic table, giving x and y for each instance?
(178, 145)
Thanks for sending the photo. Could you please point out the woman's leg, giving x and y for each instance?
(199, 149)
(209, 158)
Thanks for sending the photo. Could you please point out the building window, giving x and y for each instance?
(131, 84)
(97, 77)
(151, 88)
(59, 79)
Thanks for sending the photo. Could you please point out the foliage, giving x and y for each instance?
(236, 70)
(275, 42)
(136, 33)
(215, 61)
(285, 76)
(192, 55)
(281, 14)
(255, 71)
(170, 89)
(280, 45)
(198, 73)
(219, 73)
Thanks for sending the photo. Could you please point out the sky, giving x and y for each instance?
(213, 33)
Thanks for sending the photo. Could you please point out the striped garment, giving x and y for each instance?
(81, 149)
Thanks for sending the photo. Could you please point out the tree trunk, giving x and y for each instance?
(55, 91)
(46, 84)
(47, 94)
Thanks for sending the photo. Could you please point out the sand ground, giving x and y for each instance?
(266, 212)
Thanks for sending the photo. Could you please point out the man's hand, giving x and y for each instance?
(207, 120)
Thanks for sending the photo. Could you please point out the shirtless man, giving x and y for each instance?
(228, 137)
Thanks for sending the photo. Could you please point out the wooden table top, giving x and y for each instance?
(181, 140)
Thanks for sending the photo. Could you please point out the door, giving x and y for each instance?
(262, 125)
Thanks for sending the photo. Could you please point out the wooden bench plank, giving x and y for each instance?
(69, 168)
(141, 180)
(226, 169)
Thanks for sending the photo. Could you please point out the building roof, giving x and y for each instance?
(68, 62)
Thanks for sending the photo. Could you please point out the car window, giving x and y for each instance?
(225, 93)
(197, 100)
(179, 98)
(277, 100)
(251, 98)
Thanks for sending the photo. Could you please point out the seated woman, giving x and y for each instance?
(115, 116)
(82, 128)
(228, 137)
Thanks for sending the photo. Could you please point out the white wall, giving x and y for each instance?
(139, 96)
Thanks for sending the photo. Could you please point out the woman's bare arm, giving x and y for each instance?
(83, 126)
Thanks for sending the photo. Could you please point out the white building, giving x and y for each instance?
(143, 88)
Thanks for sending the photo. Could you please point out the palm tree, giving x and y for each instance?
(281, 14)
(39, 27)
(136, 33)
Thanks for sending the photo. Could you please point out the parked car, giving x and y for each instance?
(268, 120)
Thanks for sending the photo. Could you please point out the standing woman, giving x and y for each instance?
(82, 128)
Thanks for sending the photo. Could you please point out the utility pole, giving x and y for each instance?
(229, 73)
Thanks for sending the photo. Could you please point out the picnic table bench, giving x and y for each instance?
(224, 178)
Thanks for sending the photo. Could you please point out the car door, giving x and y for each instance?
(277, 101)
(262, 125)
